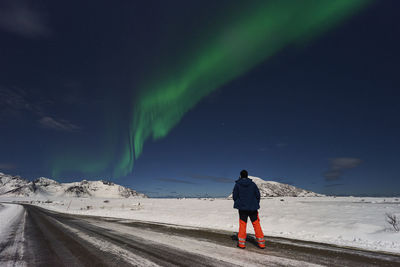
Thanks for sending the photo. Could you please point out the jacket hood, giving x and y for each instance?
(244, 182)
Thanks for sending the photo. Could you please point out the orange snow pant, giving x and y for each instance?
(255, 220)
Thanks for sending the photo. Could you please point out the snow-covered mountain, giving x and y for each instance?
(44, 187)
(9, 182)
(275, 189)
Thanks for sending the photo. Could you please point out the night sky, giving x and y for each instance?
(174, 98)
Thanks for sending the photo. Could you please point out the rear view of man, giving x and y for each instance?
(247, 200)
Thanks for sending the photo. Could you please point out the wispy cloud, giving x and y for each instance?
(344, 163)
(7, 166)
(16, 102)
(21, 18)
(211, 178)
(339, 165)
(172, 180)
(59, 125)
(332, 175)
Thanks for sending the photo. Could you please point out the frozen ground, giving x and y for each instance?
(344, 221)
(8, 214)
(12, 222)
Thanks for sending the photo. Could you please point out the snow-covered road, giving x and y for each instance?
(346, 221)
(40, 237)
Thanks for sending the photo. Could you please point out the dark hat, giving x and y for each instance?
(243, 174)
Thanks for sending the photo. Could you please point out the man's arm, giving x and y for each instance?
(235, 193)
(258, 194)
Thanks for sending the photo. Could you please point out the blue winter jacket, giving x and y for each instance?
(246, 195)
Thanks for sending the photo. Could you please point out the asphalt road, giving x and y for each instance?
(45, 238)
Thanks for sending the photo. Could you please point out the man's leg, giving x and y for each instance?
(242, 228)
(257, 229)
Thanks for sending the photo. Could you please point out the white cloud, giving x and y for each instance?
(7, 166)
(20, 18)
(59, 125)
(339, 165)
(344, 163)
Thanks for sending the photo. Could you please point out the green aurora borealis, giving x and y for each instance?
(228, 51)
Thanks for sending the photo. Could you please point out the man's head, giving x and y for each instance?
(243, 174)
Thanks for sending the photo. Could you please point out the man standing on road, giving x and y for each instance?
(247, 200)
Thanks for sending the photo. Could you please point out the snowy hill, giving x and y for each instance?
(9, 182)
(44, 187)
(275, 189)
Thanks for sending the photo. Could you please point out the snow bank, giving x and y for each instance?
(9, 214)
(344, 221)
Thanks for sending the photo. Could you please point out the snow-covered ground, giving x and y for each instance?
(8, 214)
(12, 226)
(344, 221)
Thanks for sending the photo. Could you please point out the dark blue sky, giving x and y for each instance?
(323, 115)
